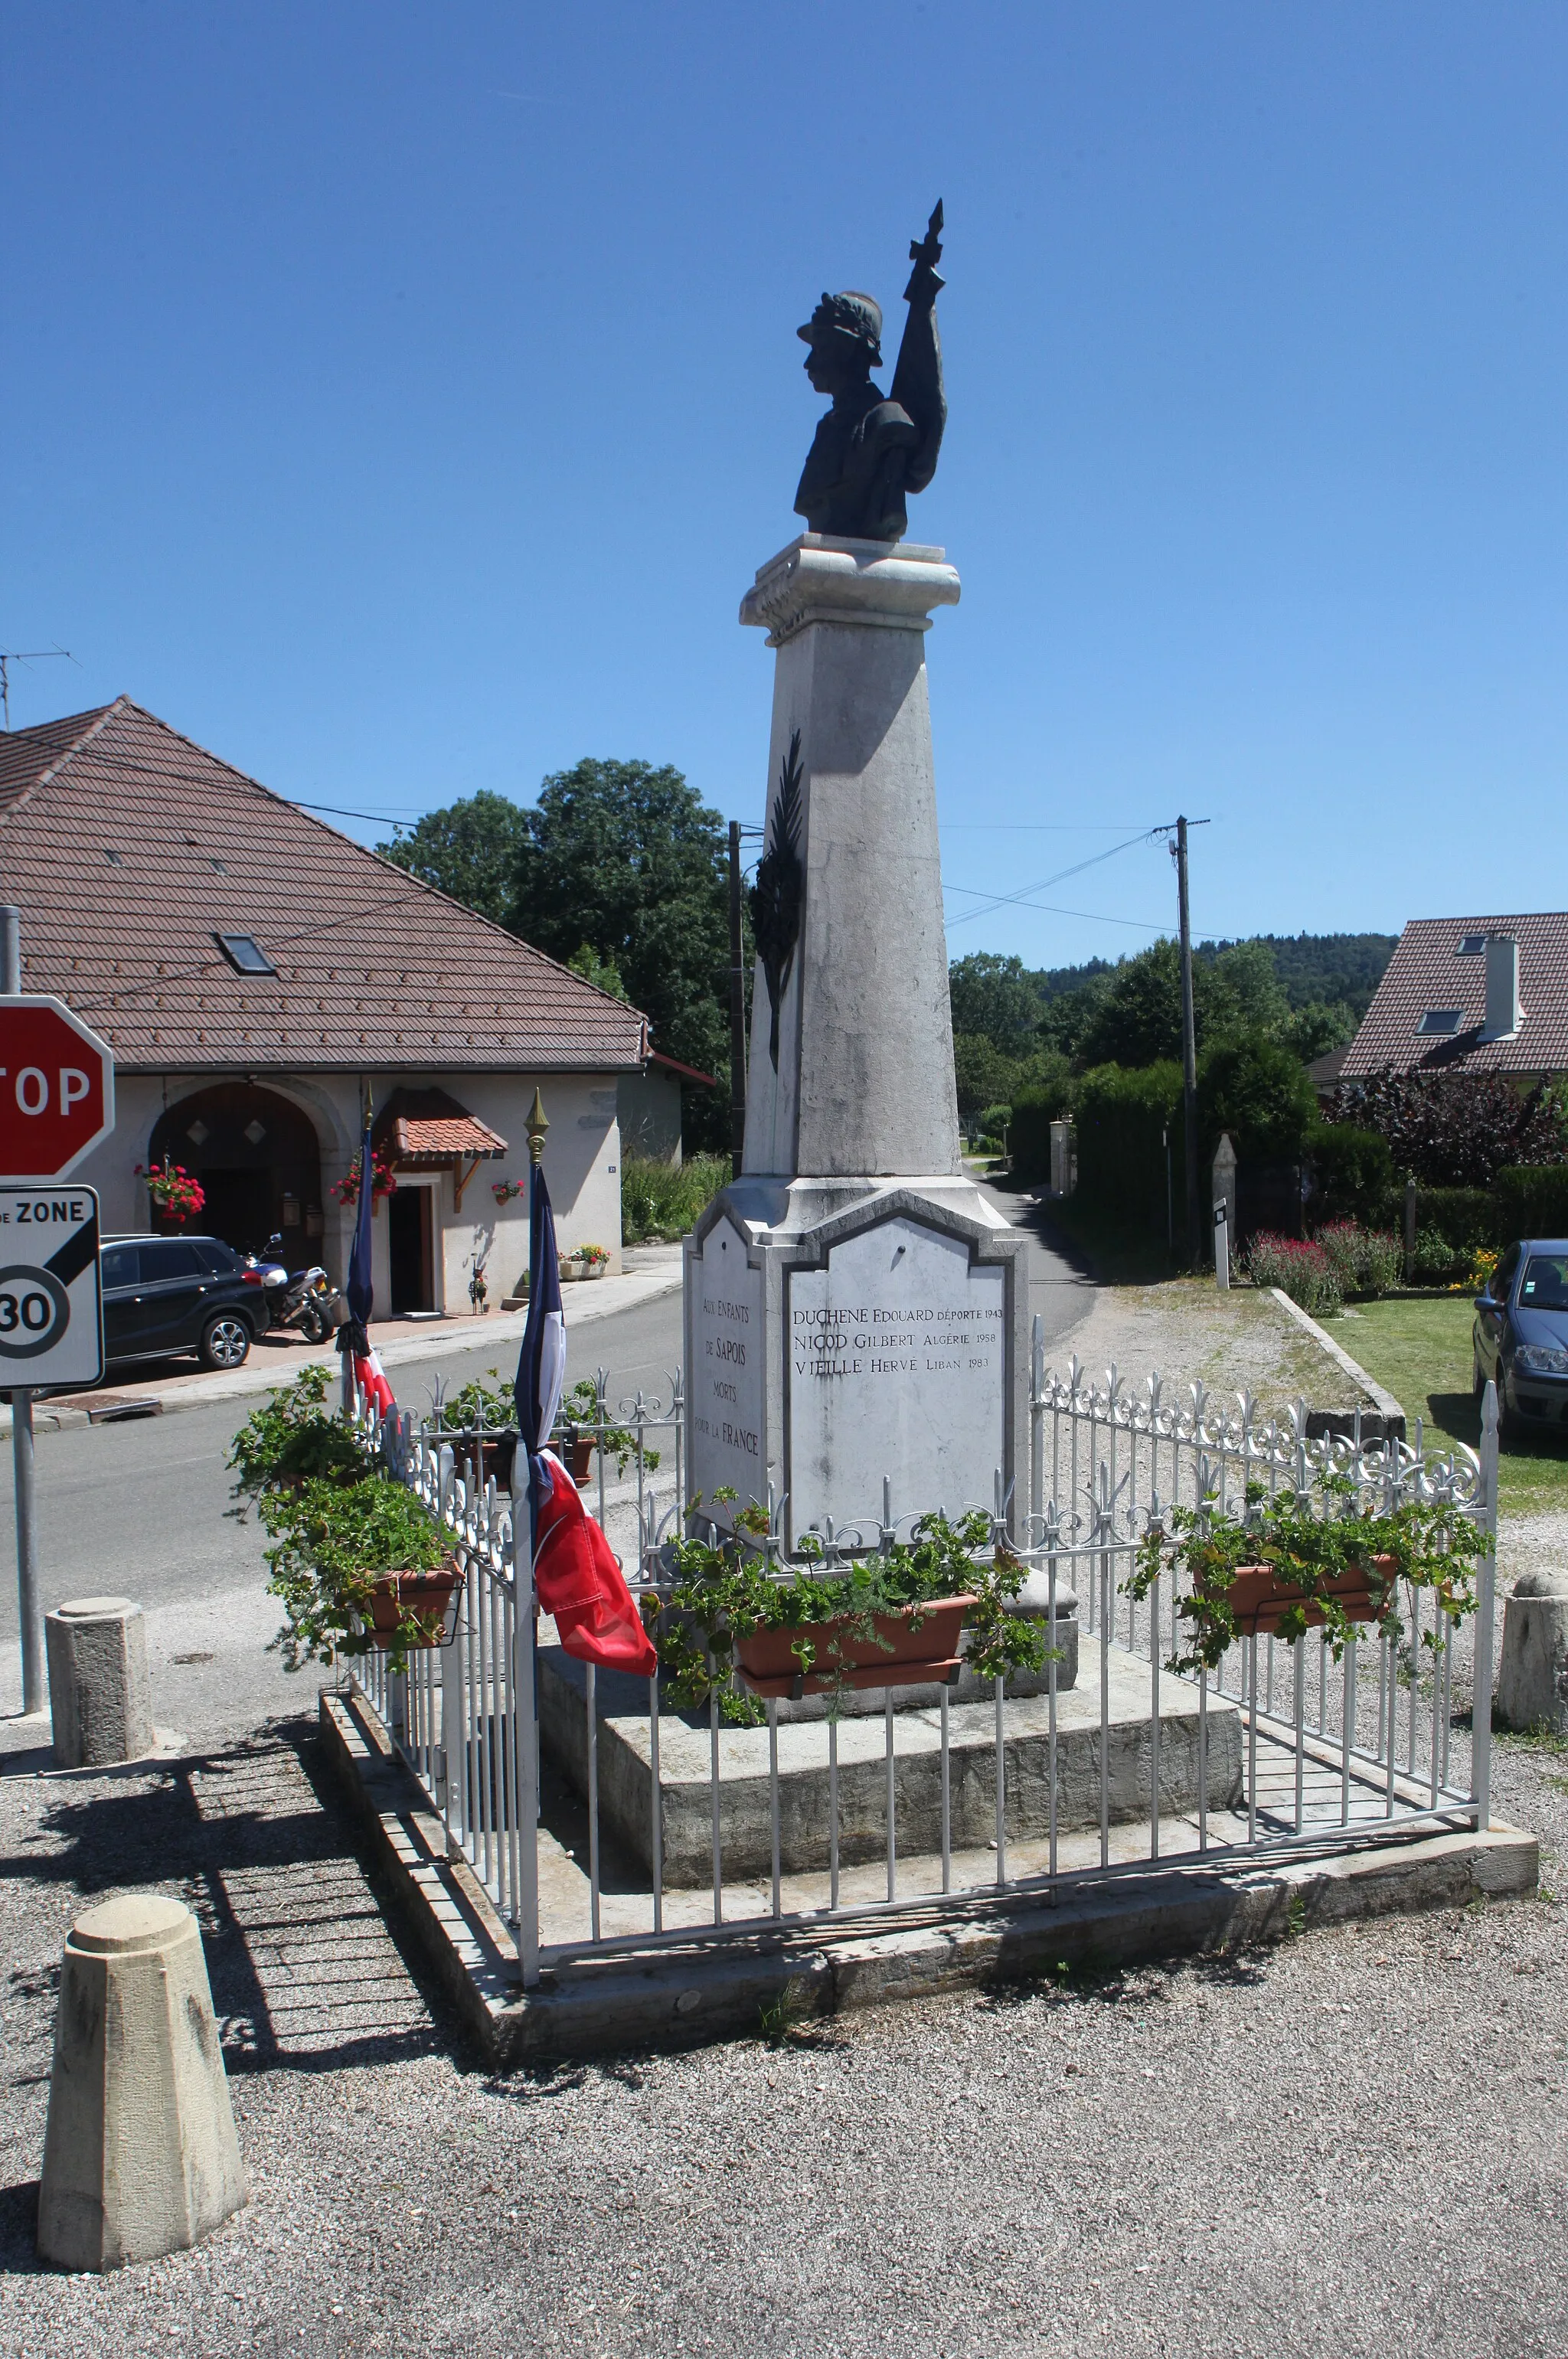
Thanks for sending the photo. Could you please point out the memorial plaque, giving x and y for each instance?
(725, 1355)
(896, 1356)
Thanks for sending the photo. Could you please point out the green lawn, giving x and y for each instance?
(1420, 1351)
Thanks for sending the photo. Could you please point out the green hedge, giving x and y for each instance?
(1353, 1173)
(1035, 1107)
(1462, 1216)
(1530, 1202)
(1119, 1115)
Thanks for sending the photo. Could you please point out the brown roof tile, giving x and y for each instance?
(429, 1125)
(129, 850)
(1427, 971)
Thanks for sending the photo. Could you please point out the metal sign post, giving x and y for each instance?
(51, 1334)
(57, 1103)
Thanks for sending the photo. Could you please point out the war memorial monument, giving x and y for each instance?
(855, 1309)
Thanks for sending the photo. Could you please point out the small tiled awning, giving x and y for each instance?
(427, 1130)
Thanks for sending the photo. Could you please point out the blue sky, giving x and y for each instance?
(398, 400)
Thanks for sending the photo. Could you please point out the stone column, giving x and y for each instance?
(862, 1082)
(855, 1308)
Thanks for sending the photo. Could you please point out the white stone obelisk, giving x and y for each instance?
(855, 1308)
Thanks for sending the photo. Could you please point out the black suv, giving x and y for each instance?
(163, 1295)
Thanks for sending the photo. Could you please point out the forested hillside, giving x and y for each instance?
(1017, 1027)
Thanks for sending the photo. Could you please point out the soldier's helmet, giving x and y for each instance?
(850, 314)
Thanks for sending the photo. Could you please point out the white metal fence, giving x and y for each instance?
(1280, 1749)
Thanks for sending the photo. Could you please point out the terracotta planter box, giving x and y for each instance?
(431, 1596)
(912, 1648)
(495, 1448)
(1260, 1600)
(495, 1451)
(579, 1456)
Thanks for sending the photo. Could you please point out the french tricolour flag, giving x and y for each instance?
(354, 1337)
(576, 1577)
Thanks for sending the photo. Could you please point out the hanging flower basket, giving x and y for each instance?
(910, 1648)
(1259, 1601)
(177, 1195)
(413, 1610)
(382, 1179)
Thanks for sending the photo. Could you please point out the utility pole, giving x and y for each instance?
(737, 1010)
(1189, 1050)
(35, 1688)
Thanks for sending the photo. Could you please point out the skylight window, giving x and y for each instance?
(1442, 1019)
(1471, 946)
(245, 954)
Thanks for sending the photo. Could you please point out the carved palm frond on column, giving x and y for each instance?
(780, 884)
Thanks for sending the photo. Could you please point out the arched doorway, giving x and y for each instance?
(259, 1162)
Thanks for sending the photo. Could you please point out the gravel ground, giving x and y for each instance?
(1353, 2144)
(1192, 1334)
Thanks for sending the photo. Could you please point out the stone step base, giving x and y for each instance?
(626, 1784)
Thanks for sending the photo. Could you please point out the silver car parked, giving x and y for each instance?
(1520, 1336)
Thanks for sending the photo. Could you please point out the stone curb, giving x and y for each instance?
(627, 1292)
(681, 1993)
(1383, 1401)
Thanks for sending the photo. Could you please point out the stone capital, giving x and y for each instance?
(890, 585)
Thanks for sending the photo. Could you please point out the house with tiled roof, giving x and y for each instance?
(256, 973)
(1489, 994)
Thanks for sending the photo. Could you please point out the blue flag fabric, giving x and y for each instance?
(359, 1290)
(541, 1363)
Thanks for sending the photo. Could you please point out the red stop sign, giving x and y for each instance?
(57, 1089)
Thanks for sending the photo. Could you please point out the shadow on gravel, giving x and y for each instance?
(306, 1970)
(20, 2229)
(1128, 1985)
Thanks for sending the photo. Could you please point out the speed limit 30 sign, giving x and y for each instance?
(51, 1315)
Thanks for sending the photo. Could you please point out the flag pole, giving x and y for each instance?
(525, 1716)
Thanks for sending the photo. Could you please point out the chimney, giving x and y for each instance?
(1503, 1010)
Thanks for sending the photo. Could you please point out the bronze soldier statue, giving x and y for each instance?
(869, 452)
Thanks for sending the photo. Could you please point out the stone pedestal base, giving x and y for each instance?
(140, 2156)
(100, 1699)
(626, 1791)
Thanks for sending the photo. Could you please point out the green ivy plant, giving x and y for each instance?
(1429, 1546)
(330, 1542)
(294, 1438)
(478, 1404)
(488, 1405)
(723, 1590)
(581, 1406)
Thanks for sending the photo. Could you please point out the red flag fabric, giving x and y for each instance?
(579, 1582)
(371, 1377)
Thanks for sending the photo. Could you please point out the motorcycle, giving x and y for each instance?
(305, 1299)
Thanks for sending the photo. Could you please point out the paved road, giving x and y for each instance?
(1061, 1290)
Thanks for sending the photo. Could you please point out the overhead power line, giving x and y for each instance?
(1000, 900)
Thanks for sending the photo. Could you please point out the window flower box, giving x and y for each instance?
(1259, 1601)
(414, 1609)
(909, 1649)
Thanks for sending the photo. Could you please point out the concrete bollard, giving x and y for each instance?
(1532, 1677)
(100, 1701)
(140, 2156)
